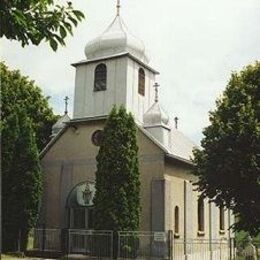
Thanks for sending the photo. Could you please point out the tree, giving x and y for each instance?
(18, 91)
(30, 21)
(228, 165)
(26, 121)
(22, 184)
(117, 198)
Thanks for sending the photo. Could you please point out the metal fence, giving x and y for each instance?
(96, 243)
(144, 245)
(202, 249)
(46, 239)
(137, 244)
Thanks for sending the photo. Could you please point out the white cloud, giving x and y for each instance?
(194, 44)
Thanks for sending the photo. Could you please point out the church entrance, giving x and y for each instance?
(80, 215)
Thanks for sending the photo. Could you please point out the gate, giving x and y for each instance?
(144, 244)
(95, 243)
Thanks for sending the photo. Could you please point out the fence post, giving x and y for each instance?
(116, 247)
(112, 243)
(230, 248)
(170, 244)
(43, 237)
(19, 241)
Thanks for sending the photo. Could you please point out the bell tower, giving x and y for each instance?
(115, 72)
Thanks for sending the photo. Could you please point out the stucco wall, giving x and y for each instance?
(71, 160)
(182, 191)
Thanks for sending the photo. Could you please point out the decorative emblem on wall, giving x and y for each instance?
(85, 194)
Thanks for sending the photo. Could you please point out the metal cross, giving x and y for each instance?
(118, 8)
(176, 119)
(156, 86)
(66, 105)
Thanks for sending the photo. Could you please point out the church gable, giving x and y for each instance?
(74, 143)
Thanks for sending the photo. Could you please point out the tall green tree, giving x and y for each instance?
(228, 165)
(18, 91)
(26, 120)
(21, 178)
(31, 21)
(117, 198)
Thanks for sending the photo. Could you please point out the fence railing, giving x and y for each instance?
(202, 249)
(46, 239)
(97, 243)
(137, 244)
(144, 245)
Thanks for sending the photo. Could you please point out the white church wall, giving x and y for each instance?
(71, 160)
(135, 102)
(93, 103)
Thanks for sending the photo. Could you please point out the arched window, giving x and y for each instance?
(221, 218)
(201, 217)
(100, 82)
(176, 220)
(141, 82)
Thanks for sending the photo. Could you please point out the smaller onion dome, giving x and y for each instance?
(114, 40)
(60, 124)
(156, 115)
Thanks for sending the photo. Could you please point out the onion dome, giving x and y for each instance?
(114, 40)
(156, 115)
(60, 124)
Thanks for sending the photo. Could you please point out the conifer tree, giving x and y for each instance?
(22, 180)
(117, 198)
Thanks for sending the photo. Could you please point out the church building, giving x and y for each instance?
(116, 71)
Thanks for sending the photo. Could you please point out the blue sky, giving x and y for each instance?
(195, 44)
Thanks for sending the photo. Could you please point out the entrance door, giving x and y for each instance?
(81, 219)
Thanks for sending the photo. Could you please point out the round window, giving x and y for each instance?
(97, 137)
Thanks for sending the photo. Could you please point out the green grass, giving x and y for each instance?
(12, 255)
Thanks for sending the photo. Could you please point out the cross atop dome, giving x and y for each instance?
(116, 39)
(156, 86)
(118, 6)
(66, 99)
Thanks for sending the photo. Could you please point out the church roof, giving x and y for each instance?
(180, 149)
(116, 39)
(60, 124)
(115, 56)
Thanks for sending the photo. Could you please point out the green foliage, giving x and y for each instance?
(21, 179)
(24, 116)
(228, 164)
(117, 199)
(30, 21)
(18, 91)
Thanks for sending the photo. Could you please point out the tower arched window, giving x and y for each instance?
(141, 82)
(221, 218)
(100, 82)
(201, 217)
(176, 221)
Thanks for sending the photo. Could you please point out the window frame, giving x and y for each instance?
(201, 217)
(221, 220)
(100, 77)
(141, 82)
(176, 221)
